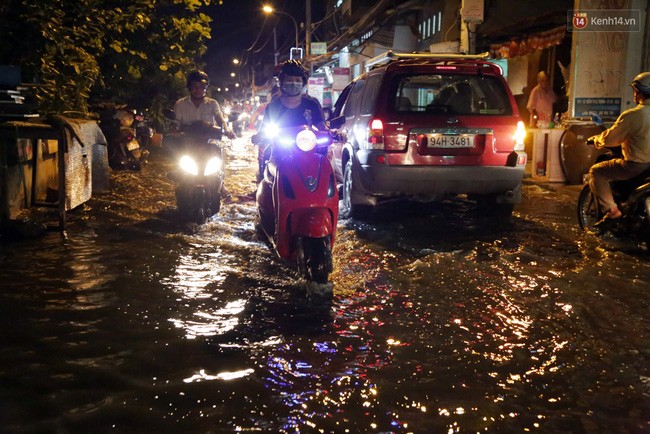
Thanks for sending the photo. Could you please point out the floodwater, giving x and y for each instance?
(440, 321)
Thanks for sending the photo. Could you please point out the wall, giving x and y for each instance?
(603, 63)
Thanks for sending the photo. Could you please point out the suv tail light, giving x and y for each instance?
(375, 135)
(520, 135)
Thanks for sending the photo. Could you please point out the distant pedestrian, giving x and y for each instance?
(541, 100)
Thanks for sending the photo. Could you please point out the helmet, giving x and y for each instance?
(198, 76)
(642, 83)
(293, 68)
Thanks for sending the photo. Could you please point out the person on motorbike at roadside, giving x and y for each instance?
(292, 108)
(631, 132)
(197, 106)
(258, 114)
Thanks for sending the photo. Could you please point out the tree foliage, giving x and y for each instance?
(76, 51)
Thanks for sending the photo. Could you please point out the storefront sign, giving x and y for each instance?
(315, 88)
(341, 78)
(599, 106)
(319, 48)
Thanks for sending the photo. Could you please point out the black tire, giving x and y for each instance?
(200, 207)
(318, 259)
(346, 208)
(215, 204)
(588, 213)
(199, 216)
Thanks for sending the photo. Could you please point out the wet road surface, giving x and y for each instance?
(441, 320)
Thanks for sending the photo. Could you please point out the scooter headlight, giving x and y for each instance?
(306, 140)
(213, 166)
(271, 131)
(188, 165)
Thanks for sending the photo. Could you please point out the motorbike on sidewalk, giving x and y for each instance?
(199, 174)
(125, 151)
(632, 197)
(297, 200)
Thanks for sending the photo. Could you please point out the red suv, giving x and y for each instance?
(425, 126)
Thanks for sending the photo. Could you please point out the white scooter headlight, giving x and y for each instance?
(271, 131)
(188, 165)
(213, 166)
(306, 140)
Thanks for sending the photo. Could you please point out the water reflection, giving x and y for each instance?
(435, 326)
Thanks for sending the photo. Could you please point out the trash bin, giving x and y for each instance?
(576, 157)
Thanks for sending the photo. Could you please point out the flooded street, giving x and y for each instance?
(441, 321)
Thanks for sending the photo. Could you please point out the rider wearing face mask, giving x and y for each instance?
(293, 108)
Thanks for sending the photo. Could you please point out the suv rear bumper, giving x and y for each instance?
(433, 182)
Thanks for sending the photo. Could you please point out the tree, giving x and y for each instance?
(134, 52)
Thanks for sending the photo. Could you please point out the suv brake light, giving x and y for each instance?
(520, 135)
(375, 135)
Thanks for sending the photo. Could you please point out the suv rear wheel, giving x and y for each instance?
(346, 208)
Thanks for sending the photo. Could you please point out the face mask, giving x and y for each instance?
(292, 89)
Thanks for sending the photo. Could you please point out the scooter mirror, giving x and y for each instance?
(337, 122)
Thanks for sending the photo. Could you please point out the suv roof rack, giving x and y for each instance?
(390, 56)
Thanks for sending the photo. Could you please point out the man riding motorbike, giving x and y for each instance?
(631, 132)
(197, 106)
(292, 108)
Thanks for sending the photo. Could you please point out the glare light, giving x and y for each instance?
(271, 131)
(189, 165)
(213, 166)
(520, 135)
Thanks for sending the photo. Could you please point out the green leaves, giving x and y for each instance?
(78, 49)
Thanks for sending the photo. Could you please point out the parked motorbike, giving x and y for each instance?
(199, 175)
(297, 200)
(632, 197)
(143, 130)
(124, 150)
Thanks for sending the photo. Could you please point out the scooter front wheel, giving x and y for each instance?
(318, 259)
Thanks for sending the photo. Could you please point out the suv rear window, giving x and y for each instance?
(451, 94)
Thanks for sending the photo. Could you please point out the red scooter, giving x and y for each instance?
(297, 199)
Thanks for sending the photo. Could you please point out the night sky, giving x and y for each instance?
(238, 23)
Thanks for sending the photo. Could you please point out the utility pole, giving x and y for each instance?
(275, 46)
(253, 84)
(308, 29)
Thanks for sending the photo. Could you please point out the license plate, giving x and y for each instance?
(132, 145)
(451, 140)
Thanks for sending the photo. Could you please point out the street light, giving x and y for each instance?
(269, 10)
